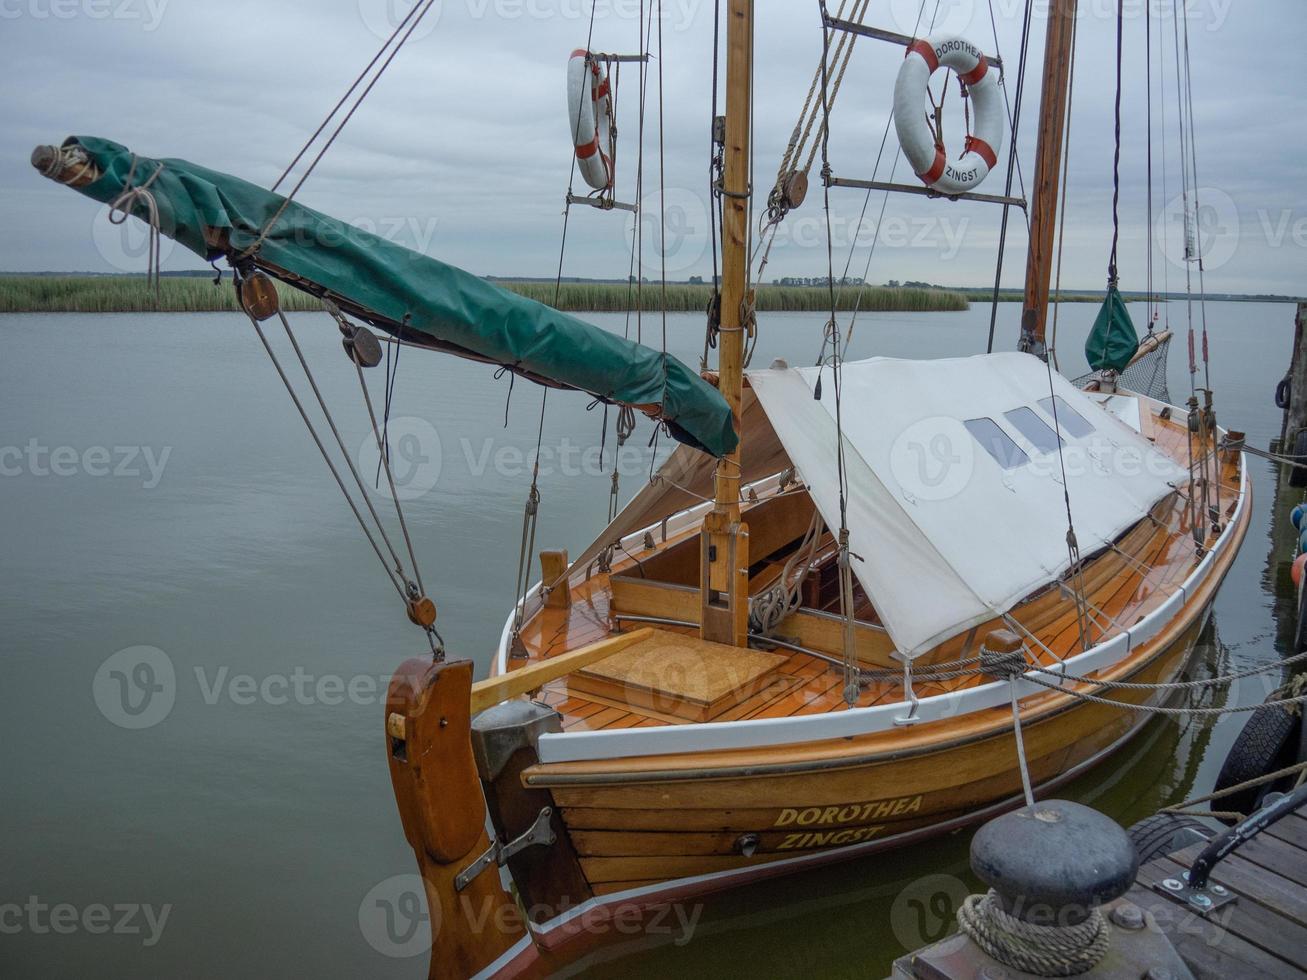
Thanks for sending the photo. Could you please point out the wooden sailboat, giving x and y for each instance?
(677, 751)
(792, 647)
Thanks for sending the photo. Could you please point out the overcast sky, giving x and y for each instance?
(462, 150)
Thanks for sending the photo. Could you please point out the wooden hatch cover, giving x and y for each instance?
(680, 675)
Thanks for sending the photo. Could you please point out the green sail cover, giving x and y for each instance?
(1113, 341)
(416, 293)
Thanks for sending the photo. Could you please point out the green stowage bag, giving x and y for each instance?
(1113, 341)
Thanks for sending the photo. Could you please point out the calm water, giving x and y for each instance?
(159, 491)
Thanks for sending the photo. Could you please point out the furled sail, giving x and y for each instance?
(407, 294)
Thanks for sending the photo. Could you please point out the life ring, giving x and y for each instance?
(939, 171)
(590, 115)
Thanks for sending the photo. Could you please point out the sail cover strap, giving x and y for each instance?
(413, 296)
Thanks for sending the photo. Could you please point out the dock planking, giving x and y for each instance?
(1264, 932)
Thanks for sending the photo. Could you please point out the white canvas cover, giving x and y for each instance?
(946, 536)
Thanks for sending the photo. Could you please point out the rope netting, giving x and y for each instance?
(1147, 375)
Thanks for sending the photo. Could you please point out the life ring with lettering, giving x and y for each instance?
(949, 175)
(590, 114)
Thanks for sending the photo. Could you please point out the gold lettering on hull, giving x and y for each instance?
(805, 839)
(821, 816)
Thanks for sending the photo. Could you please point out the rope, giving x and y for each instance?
(530, 514)
(1178, 685)
(1270, 777)
(121, 209)
(766, 611)
(1047, 951)
(1116, 158)
(1158, 709)
(1013, 160)
(290, 390)
(422, 12)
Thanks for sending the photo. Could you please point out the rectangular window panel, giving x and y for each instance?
(997, 443)
(1068, 419)
(1033, 428)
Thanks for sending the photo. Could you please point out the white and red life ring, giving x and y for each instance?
(948, 175)
(590, 115)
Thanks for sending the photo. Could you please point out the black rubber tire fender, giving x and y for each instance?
(1165, 833)
(1268, 742)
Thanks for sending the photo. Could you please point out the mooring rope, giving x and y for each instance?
(1046, 951)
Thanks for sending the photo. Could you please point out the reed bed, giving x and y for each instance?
(193, 294)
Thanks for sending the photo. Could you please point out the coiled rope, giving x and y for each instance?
(1047, 951)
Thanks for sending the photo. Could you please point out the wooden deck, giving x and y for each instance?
(1264, 932)
(1122, 584)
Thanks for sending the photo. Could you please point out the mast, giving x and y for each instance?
(1048, 168)
(724, 564)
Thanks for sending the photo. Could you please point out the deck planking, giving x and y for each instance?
(1120, 590)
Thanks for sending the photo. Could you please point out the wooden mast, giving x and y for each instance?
(1048, 169)
(725, 541)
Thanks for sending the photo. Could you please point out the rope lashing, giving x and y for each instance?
(624, 427)
(121, 209)
(1046, 951)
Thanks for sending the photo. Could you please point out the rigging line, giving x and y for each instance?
(344, 98)
(1184, 191)
(1116, 157)
(571, 175)
(1161, 105)
(1207, 417)
(1148, 130)
(852, 689)
(336, 133)
(1013, 162)
(662, 199)
(776, 210)
(390, 476)
(884, 203)
(1066, 183)
(530, 517)
(637, 225)
(326, 458)
(340, 442)
(1198, 230)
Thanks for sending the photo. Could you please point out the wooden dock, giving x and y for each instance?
(1263, 933)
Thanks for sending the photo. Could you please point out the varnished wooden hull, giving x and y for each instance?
(630, 832)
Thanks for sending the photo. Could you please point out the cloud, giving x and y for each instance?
(466, 136)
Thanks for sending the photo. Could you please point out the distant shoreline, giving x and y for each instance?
(198, 294)
(187, 293)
